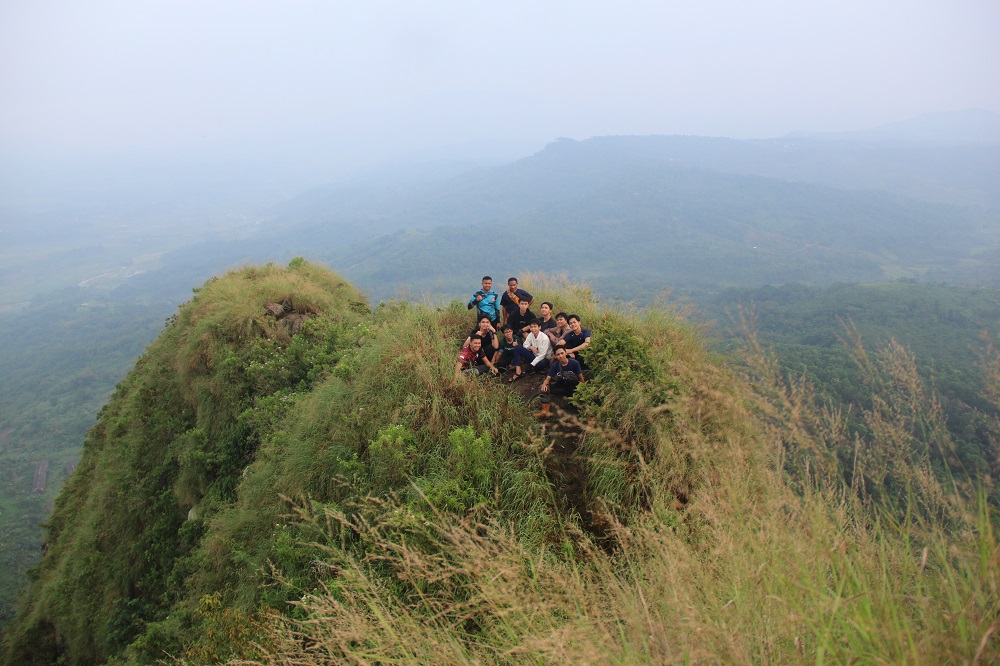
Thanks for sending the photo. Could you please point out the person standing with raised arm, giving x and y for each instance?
(487, 302)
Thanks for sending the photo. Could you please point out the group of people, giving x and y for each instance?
(509, 339)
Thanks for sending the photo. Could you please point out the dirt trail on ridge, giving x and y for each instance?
(563, 435)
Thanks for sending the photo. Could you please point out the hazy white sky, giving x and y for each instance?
(344, 83)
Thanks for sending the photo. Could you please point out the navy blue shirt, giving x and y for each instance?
(574, 340)
(510, 304)
(556, 369)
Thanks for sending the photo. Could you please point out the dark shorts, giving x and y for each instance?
(559, 387)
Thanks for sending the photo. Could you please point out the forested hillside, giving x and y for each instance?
(61, 359)
(309, 480)
(812, 331)
(633, 214)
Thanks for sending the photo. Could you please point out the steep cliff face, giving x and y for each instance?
(289, 477)
(168, 452)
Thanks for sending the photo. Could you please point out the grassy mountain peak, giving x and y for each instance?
(289, 477)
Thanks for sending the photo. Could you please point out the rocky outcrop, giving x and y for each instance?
(286, 314)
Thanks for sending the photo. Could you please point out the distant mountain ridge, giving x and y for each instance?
(966, 126)
(639, 214)
(940, 173)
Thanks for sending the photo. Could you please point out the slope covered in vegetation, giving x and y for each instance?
(314, 485)
(944, 326)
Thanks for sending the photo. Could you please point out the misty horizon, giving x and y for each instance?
(23, 178)
(327, 91)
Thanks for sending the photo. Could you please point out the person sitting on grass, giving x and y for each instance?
(473, 361)
(563, 377)
(576, 340)
(548, 321)
(509, 341)
(520, 321)
(536, 352)
(488, 333)
(510, 298)
(486, 301)
(560, 330)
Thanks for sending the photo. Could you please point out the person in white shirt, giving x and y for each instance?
(536, 351)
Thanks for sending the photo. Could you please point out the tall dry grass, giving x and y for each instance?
(785, 550)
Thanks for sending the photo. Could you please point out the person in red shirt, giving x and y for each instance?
(473, 361)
